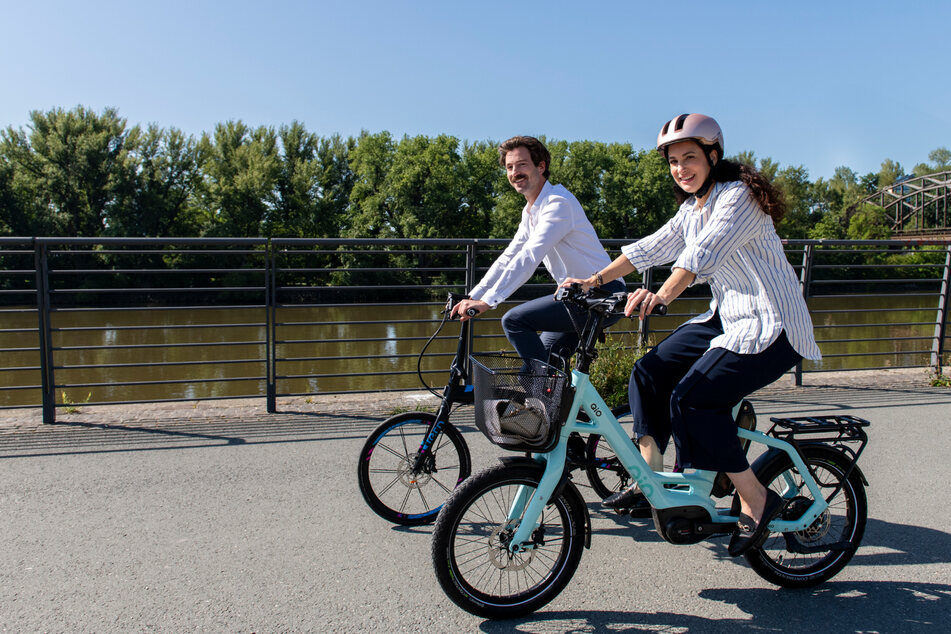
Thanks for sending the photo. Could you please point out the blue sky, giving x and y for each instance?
(818, 84)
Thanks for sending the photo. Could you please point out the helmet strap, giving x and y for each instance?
(708, 183)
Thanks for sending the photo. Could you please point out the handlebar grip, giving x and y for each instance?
(659, 309)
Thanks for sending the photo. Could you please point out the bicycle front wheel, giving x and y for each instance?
(388, 481)
(471, 554)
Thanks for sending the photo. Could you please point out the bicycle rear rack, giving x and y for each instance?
(834, 430)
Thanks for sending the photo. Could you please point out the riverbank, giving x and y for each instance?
(382, 404)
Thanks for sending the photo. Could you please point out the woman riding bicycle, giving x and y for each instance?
(757, 328)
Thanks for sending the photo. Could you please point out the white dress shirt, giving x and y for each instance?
(732, 244)
(554, 231)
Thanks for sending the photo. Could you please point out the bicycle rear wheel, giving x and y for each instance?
(385, 468)
(809, 557)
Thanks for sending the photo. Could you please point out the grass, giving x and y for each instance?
(940, 380)
(399, 409)
(70, 405)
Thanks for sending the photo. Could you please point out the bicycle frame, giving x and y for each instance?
(664, 490)
(457, 390)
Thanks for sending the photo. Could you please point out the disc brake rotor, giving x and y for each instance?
(501, 557)
(410, 480)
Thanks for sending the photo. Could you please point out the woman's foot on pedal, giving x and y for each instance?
(749, 534)
(629, 498)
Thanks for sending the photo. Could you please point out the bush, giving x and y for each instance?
(612, 369)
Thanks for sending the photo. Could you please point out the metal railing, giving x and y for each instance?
(145, 320)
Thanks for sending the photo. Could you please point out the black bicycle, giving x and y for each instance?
(413, 461)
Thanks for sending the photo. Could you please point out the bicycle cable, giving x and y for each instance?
(419, 359)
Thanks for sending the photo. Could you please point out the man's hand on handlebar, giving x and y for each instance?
(586, 285)
(646, 301)
(468, 308)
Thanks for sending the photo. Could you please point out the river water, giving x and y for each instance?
(159, 354)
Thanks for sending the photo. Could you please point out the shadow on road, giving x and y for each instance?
(83, 437)
(862, 606)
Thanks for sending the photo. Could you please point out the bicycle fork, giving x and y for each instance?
(528, 505)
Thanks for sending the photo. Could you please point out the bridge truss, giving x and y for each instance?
(918, 206)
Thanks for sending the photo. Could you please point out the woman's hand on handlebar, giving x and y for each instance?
(643, 300)
(468, 308)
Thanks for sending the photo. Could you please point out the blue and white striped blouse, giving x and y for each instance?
(732, 244)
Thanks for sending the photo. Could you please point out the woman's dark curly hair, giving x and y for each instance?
(769, 198)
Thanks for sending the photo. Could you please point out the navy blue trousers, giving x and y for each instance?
(684, 388)
(523, 323)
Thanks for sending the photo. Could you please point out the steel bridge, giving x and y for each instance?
(917, 206)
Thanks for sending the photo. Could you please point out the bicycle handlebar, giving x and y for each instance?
(454, 299)
(599, 300)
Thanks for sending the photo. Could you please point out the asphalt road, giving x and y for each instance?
(256, 525)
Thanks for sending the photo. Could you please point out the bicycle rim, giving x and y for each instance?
(805, 558)
(484, 577)
(386, 476)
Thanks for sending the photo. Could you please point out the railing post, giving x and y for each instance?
(471, 250)
(270, 301)
(41, 265)
(805, 280)
(937, 346)
(643, 330)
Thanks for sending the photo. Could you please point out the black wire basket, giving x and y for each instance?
(520, 404)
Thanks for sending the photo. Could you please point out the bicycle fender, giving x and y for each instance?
(565, 486)
(777, 454)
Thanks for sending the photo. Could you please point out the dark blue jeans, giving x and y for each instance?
(684, 388)
(523, 323)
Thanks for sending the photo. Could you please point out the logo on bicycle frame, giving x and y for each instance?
(437, 428)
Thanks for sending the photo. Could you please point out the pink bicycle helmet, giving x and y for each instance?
(691, 126)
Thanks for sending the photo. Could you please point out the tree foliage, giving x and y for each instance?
(82, 173)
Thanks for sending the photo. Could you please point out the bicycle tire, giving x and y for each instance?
(384, 469)
(801, 559)
(470, 558)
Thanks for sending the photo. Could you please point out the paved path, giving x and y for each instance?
(219, 517)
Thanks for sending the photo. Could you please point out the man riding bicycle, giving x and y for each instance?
(555, 231)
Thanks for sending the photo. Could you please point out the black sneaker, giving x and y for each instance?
(629, 498)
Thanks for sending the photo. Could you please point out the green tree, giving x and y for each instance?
(941, 158)
(481, 183)
(241, 168)
(580, 167)
(371, 213)
(638, 193)
(296, 213)
(889, 174)
(156, 186)
(868, 222)
(793, 182)
(63, 173)
(424, 185)
(11, 209)
(335, 181)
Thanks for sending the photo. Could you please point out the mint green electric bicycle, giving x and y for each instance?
(510, 538)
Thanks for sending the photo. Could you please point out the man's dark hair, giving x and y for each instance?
(536, 150)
